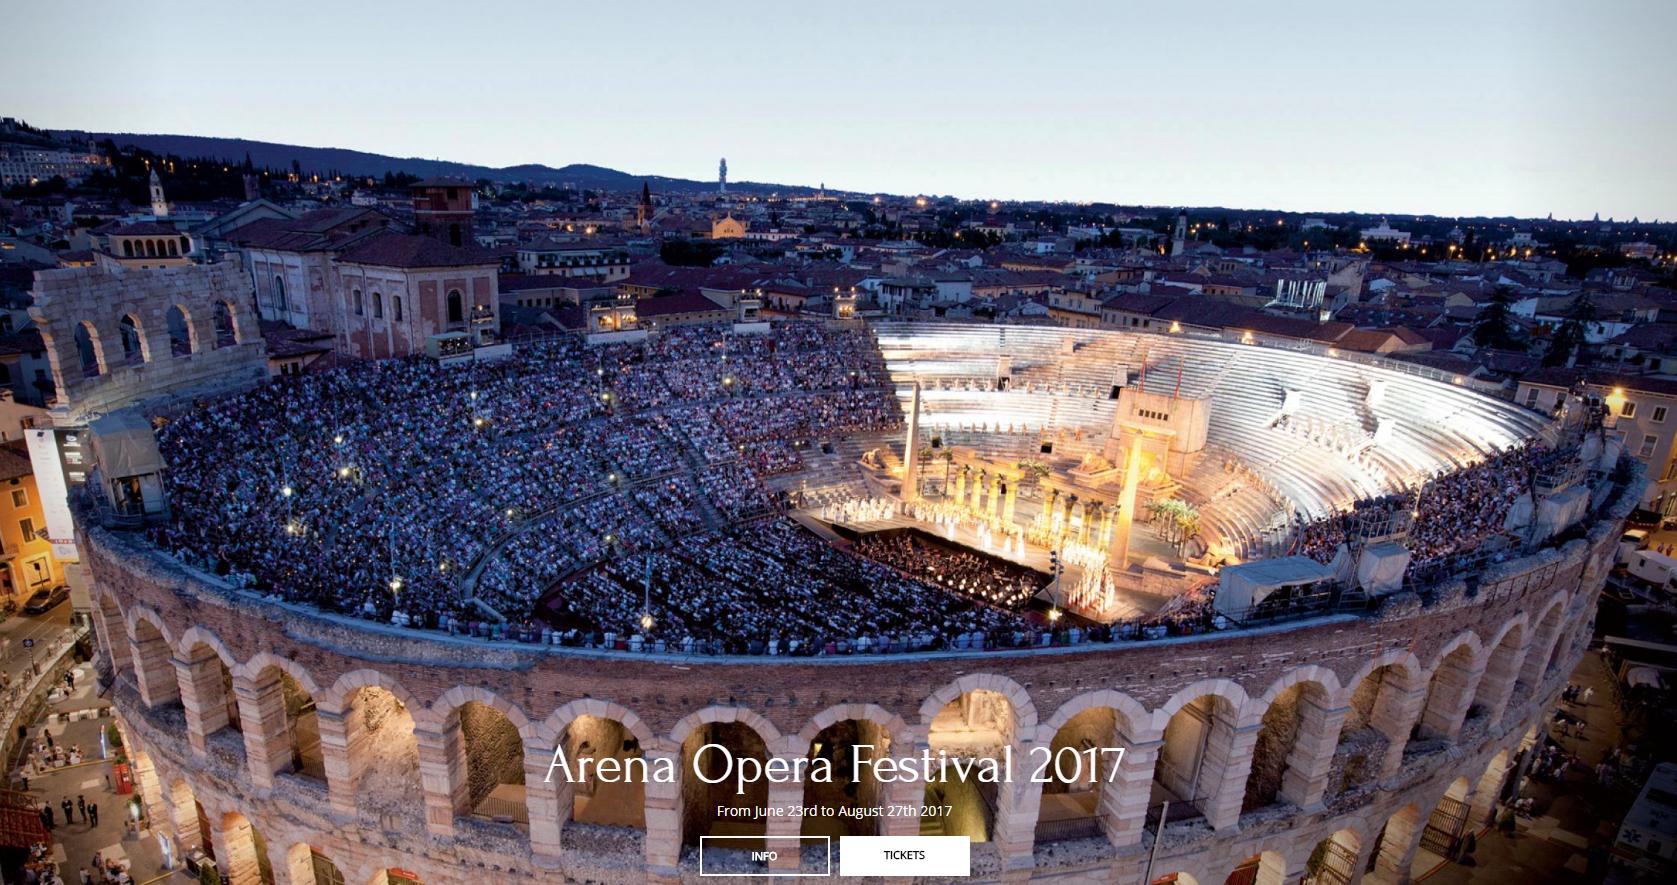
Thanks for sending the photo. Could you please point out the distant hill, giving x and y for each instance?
(361, 163)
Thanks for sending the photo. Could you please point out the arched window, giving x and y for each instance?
(226, 332)
(279, 293)
(180, 331)
(133, 349)
(186, 246)
(360, 309)
(128, 248)
(396, 307)
(151, 248)
(456, 307)
(87, 351)
(173, 253)
(378, 306)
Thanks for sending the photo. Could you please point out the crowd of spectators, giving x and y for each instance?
(1452, 513)
(399, 489)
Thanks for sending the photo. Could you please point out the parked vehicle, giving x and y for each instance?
(46, 600)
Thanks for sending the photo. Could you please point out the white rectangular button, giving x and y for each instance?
(905, 856)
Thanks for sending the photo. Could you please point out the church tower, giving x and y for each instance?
(444, 208)
(722, 177)
(1180, 240)
(643, 213)
(159, 205)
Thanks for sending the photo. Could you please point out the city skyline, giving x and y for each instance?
(1452, 112)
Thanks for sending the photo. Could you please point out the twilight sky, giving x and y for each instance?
(1492, 107)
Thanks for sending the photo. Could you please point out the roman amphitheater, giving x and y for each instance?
(321, 678)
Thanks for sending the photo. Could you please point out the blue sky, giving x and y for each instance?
(1440, 107)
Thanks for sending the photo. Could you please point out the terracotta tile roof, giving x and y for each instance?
(391, 249)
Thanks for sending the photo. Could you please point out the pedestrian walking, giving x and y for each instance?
(69, 810)
(93, 813)
(87, 878)
(47, 815)
(1589, 692)
(48, 736)
(81, 805)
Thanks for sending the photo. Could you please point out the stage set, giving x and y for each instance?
(1098, 514)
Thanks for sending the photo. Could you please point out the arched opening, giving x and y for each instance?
(841, 744)
(295, 748)
(180, 331)
(456, 307)
(1374, 722)
(1442, 834)
(1448, 695)
(191, 824)
(154, 671)
(378, 306)
(128, 248)
(980, 724)
(1391, 847)
(357, 304)
(1545, 639)
(1267, 868)
(1175, 879)
(226, 333)
(212, 709)
(279, 294)
(1501, 669)
(1489, 792)
(493, 750)
(383, 753)
(186, 246)
(1082, 787)
(174, 248)
(396, 307)
(704, 804)
(87, 350)
(246, 862)
(1190, 768)
(133, 346)
(1334, 860)
(615, 801)
(113, 631)
(151, 248)
(309, 866)
(1287, 745)
(395, 876)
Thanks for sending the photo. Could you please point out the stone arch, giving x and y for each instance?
(1205, 750)
(1381, 704)
(224, 321)
(745, 734)
(1487, 793)
(131, 333)
(1503, 655)
(1263, 868)
(596, 731)
(1298, 731)
(885, 719)
(483, 738)
(152, 650)
(183, 335)
(90, 356)
(1545, 638)
(246, 858)
(1176, 878)
(1024, 709)
(205, 668)
(306, 864)
(1125, 706)
(367, 723)
(1452, 677)
(279, 717)
(113, 633)
(1446, 823)
(455, 308)
(836, 737)
(1333, 860)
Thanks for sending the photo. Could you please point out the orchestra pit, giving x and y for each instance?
(1322, 602)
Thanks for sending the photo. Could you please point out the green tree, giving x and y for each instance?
(1494, 326)
(1571, 333)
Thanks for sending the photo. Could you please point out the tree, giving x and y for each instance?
(1494, 326)
(1572, 332)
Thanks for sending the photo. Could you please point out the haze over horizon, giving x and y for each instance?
(1499, 109)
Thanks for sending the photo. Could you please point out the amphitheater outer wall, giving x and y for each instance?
(1519, 636)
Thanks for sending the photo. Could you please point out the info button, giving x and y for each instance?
(905, 856)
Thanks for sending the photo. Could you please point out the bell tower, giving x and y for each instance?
(159, 205)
